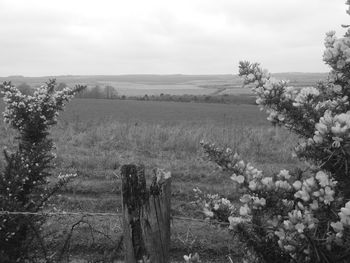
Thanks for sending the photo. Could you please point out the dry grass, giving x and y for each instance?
(95, 147)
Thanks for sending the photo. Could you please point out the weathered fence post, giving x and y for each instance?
(146, 215)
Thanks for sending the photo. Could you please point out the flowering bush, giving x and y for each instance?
(300, 216)
(222, 206)
(24, 181)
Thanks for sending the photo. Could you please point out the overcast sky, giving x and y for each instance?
(82, 37)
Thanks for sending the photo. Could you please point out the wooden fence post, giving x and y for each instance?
(146, 215)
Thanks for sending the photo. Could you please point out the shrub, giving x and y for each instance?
(24, 181)
(298, 216)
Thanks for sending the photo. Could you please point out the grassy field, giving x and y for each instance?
(139, 85)
(95, 137)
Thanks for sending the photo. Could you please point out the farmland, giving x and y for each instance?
(95, 137)
(140, 85)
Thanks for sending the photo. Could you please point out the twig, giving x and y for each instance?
(67, 241)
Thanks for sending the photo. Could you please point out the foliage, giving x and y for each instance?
(300, 216)
(213, 98)
(24, 181)
(97, 92)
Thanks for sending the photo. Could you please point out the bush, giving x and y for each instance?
(24, 181)
(298, 216)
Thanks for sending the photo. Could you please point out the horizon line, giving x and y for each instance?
(153, 74)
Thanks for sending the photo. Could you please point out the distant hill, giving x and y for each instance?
(156, 85)
(140, 79)
(301, 79)
(200, 80)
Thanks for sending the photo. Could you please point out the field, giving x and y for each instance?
(95, 137)
(140, 85)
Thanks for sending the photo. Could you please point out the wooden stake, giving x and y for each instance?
(146, 215)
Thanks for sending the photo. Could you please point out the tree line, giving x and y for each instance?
(110, 92)
(96, 92)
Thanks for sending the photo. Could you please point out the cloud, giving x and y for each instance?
(163, 36)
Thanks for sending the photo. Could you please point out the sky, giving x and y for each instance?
(112, 37)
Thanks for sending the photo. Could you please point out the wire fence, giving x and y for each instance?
(64, 213)
(68, 213)
(79, 236)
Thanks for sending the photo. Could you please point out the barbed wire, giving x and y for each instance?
(68, 213)
(59, 213)
(211, 221)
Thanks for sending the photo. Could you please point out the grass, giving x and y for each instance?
(95, 137)
(94, 111)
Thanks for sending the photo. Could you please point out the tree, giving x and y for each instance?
(96, 92)
(110, 92)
